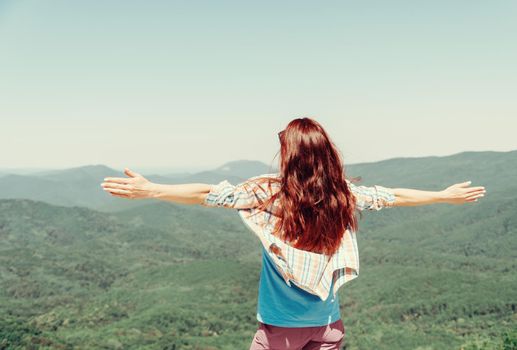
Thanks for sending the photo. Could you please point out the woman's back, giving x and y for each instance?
(290, 306)
(295, 304)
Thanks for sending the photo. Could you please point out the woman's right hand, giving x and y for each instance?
(461, 193)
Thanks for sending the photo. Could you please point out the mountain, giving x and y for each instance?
(244, 168)
(234, 172)
(72, 269)
(169, 276)
(80, 186)
(494, 170)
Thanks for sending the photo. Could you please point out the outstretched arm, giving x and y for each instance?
(377, 197)
(455, 194)
(138, 187)
(193, 193)
(223, 194)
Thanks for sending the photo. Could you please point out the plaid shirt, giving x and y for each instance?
(310, 271)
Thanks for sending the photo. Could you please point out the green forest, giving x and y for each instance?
(165, 276)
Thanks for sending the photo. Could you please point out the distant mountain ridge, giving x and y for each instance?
(80, 186)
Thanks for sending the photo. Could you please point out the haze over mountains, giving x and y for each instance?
(82, 269)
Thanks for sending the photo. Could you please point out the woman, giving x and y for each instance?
(304, 217)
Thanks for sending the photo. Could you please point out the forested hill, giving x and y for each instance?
(166, 276)
(496, 171)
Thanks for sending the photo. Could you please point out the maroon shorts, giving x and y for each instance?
(304, 338)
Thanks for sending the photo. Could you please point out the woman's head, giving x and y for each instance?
(306, 150)
(316, 203)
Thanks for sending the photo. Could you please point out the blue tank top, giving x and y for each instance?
(284, 306)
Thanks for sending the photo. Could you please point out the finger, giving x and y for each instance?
(475, 193)
(119, 180)
(119, 195)
(472, 193)
(465, 184)
(131, 173)
(477, 188)
(479, 195)
(107, 185)
(118, 191)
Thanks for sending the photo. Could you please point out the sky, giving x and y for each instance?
(188, 85)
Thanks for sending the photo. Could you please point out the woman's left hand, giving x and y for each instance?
(134, 187)
(461, 193)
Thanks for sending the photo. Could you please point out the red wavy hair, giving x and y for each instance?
(316, 205)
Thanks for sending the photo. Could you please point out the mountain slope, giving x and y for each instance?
(185, 277)
(80, 186)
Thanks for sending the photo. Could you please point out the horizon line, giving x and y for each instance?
(184, 168)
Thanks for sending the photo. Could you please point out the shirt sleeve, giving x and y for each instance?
(245, 195)
(373, 197)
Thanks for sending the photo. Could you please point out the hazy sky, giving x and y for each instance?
(178, 84)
